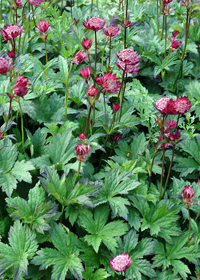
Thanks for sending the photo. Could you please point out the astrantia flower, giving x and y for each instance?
(165, 2)
(35, 2)
(128, 56)
(20, 87)
(18, 3)
(110, 83)
(82, 136)
(116, 137)
(120, 263)
(173, 136)
(99, 80)
(43, 25)
(82, 149)
(175, 33)
(94, 23)
(86, 43)
(11, 31)
(111, 31)
(4, 65)
(127, 24)
(161, 104)
(175, 44)
(11, 54)
(92, 91)
(132, 69)
(85, 72)
(171, 109)
(116, 107)
(80, 57)
(182, 105)
(188, 192)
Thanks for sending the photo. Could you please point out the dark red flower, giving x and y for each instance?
(82, 149)
(20, 87)
(182, 105)
(4, 65)
(43, 25)
(110, 83)
(85, 72)
(175, 33)
(82, 136)
(86, 43)
(80, 57)
(11, 54)
(99, 80)
(171, 108)
(95, 23)
(18, 3)
(188, 192)
(116, 107)
(92, 91)
(116, 137)
(175, 44)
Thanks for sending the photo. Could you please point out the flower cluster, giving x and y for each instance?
(128, 61)
(111, 31)
(43, 27)
(94, 23)
(169, 131)
(111, 84)
(168, 106)
(21, 86)
(82, 150)
(121, 263)
(11, 31)
(80, 57)
(4, 65)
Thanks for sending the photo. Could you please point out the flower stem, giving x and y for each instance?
(161, 179)
(67, 91)
(95, 52)
(22, 123)
(45, 43)
(109, 53)
(93, 117)
(88, 118)
(104, 97)
(78, 172)
(120, 4)
(157, 18)
(189, 225)
(197, 216)
(123, 97)
(103, 52)
(151, 168)
(7, 117)
(1, 11)
(165, 17)
(92, 6)
(61, 7)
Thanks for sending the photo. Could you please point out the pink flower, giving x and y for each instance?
(35, 2)
(82, 149)
(20, 87)
(175, 44)
(199, 183)
(175, 33)
(11, 31)
(182, 105)
(18, 3)
(184, 4)
(171, 108)
(43, 25)
(173, 136)
(120, 263)
(4, 65)
(94, 23)
(76, 21)
(99, 80)
(111, 31)
(110, 83)
(86, 43)
(128, 56)
(188, 192)
(127, 24)
(92, 91)
(116, 107)
(116, 137)
(82, 136)
(80, 57)
(11, 54)
(165, 2)
(132, 69)
(85, 72)
(171, 124)
(161, 105)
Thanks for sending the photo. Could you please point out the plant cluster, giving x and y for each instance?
(99, 139)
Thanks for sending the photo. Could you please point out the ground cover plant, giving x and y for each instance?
(99, 139)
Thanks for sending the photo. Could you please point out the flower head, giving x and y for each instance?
(188, 192)
(92, 91)
(43, 25)
(171, 109)
(99, 80)
(20, 87)
(80, 57)
(110, 83)
(165, 2)
(116, 137)
(11, 31)
(35, 2)
(18, 3)
(116, 107)
(85, 72)
(175, 44)
(4, 65)
(86, 43)
(161, 104)
(129, 68)
(175, 33)
(82, 136)
(128, 56)
(111, 31)
(82, 149)
(11, 54)
(182, 105)
(94, 23)
(120, 263)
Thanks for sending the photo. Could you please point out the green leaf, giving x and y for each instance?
(35, 210)
(64, 258)
(23, 246)
(37, 142)
(21, 171)
(8, 155)
(99, 274)
(63, 68)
